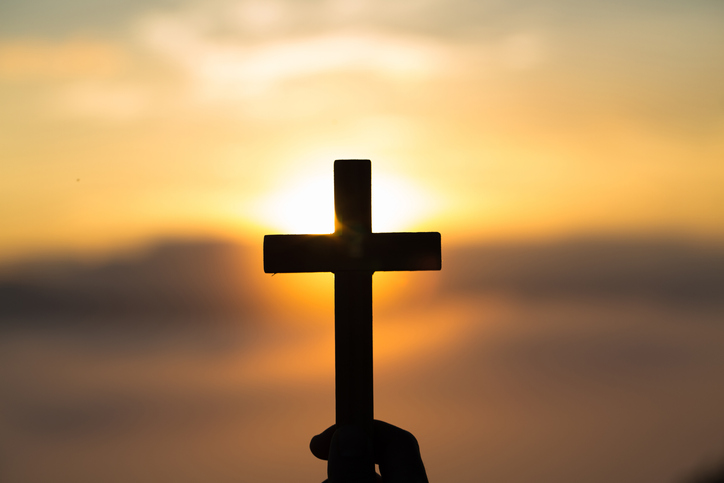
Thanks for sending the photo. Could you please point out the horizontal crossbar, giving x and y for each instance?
(384, 252)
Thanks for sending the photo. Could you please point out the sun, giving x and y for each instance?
(303, 206)
(307, 205)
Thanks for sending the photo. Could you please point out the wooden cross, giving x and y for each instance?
(352, 253)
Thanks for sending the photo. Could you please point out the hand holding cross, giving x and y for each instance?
(353, 253)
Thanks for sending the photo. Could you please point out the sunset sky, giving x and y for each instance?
(571, 153)
(126, 121)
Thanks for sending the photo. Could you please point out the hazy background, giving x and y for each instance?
(569, 152)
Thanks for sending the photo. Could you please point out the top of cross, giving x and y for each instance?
(352, 246)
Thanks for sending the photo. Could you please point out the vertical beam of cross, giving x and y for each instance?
(353, 296)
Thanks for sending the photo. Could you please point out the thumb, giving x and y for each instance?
(351, 457)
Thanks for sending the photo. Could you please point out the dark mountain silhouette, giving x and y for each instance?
(196, 281)
(173, 281)
(659, 271)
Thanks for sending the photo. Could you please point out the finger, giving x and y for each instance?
(319, 445)
(351, 457)
(398, 454)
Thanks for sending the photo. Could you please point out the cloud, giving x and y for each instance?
(252, 52)
(255, 65)
(277, 61)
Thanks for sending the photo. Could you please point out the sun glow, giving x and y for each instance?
(304, 206)
(307, 206)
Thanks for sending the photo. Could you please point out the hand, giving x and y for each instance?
(350, 454)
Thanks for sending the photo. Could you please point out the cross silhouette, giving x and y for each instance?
(353, 253)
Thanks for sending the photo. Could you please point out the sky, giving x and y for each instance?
(570, 154)
(127, 121)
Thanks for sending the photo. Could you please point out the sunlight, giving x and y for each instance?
(397, 204)
(307, 206)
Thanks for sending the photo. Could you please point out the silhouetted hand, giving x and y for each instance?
(350, 454)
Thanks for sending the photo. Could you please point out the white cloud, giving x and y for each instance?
(386, 56)
(258, 59)
(254, 66)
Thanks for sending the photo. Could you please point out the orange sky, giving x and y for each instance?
(125, 123)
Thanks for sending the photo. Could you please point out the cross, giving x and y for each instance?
(353, 253)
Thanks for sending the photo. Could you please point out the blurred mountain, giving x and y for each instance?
(661, 271)
(173, 281)
(193, 280)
